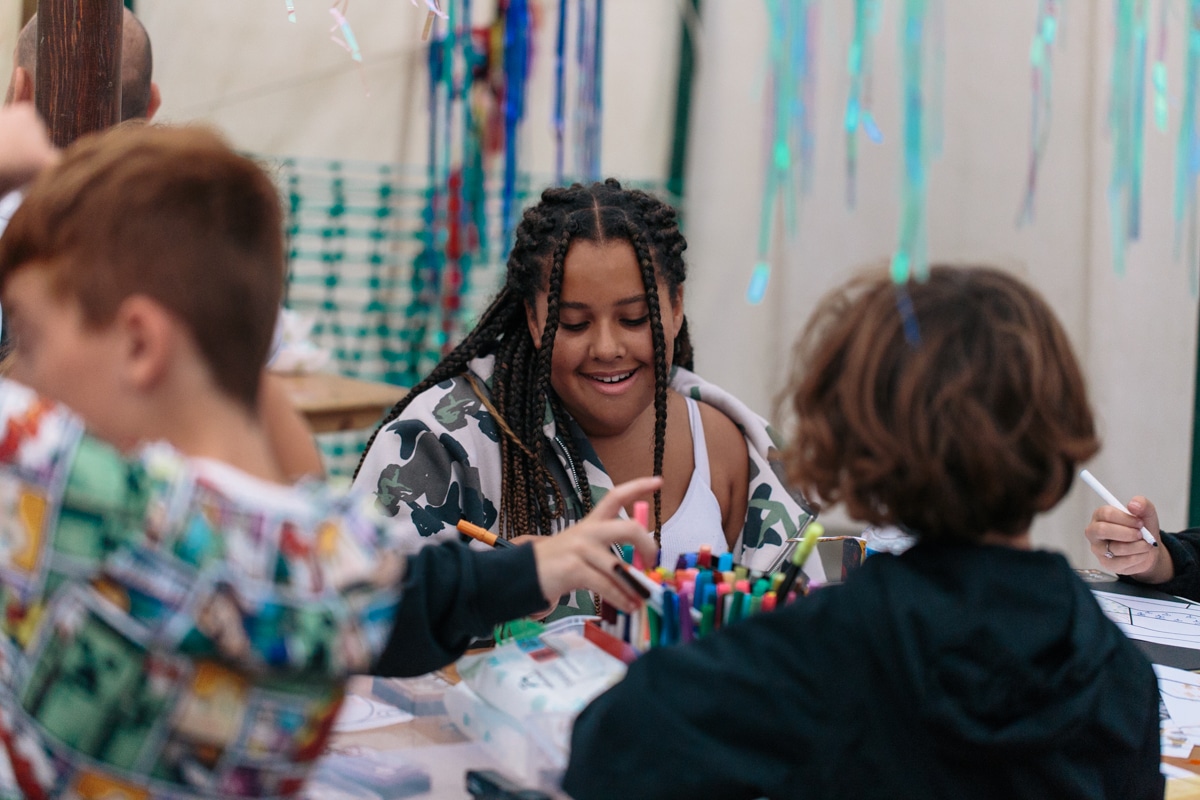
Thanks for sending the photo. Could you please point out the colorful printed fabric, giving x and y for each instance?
(173, 628)
(440, 462)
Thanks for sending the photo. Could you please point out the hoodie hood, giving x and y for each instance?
(1001, 664)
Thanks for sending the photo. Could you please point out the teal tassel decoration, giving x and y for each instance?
(791, 60)
(920, 48)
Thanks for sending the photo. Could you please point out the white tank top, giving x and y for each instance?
(697, 521)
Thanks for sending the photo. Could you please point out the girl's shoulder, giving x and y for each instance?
(447, 422)
(721, 434)
(728, 467)
(728, 408)
(454, 403)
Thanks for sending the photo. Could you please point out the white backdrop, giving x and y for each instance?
(286, 89)
(1135, 334)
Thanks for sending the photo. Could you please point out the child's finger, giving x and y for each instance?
(615, 591)
(600, 566)
(624, 531)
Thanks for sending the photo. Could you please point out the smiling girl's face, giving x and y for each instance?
(603, 363)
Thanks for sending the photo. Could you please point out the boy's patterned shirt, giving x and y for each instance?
(440, 462)
(173, 628)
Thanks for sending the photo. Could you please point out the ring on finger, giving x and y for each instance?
(1108, 553)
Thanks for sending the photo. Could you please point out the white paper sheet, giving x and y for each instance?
(1170, 622)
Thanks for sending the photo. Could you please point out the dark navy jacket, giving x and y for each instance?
(946, 672)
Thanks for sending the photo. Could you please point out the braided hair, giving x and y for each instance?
(521, 391)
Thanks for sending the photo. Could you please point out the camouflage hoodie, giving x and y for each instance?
(440, 462)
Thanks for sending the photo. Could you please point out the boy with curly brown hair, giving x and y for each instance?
(972, 665)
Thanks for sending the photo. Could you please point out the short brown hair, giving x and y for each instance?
(967, 420)
(170, 213)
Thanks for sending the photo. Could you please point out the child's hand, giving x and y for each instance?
(548, 610)
(25, 147)
(581, 557)
(1116, 541)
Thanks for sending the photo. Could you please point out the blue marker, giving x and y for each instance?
(703, 583)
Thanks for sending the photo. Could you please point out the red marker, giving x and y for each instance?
(724, 590)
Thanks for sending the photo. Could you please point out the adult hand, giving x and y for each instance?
(581, 557)
(25, 147)
(1116, 541)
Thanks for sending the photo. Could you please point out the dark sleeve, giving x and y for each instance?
(1146, 781)
(1184, 548)
(452, 594)
(687, 722)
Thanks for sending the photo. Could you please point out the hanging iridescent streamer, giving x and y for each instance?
(859, 114)
(1187, 156)
(435, 11)
(1041, 61)
(1161, 101)
(560, 94)
(590, 72)
(579, 125)
(921, 47)
(341, 32)
(1126, 119)
(517, 44)
(791, 62)
(291, 10)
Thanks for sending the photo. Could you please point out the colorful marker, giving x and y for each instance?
(482, 534)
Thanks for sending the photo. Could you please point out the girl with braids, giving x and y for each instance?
(578, 377)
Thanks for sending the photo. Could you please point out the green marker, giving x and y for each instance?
(799, 556)
(815, 531)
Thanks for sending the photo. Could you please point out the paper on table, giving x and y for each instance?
(360, 713)
(1180, 692)
(1171, 622)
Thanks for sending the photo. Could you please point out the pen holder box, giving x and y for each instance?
(617, 648)
(421, 697)
(841, 555)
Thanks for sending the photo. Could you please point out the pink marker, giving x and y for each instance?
(641, 515)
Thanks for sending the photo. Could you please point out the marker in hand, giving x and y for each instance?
(1111, 499)
(482, 535)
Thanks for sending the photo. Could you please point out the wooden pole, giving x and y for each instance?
(78, 85)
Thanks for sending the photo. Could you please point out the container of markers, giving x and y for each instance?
(704, 593)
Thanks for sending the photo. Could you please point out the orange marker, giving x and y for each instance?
(482, 534)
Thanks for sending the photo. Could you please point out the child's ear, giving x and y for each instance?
(146, 338)
(155, 101)
(676, 321)
(535, 325)
(20, 86)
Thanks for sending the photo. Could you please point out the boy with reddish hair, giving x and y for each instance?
(178, 621)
